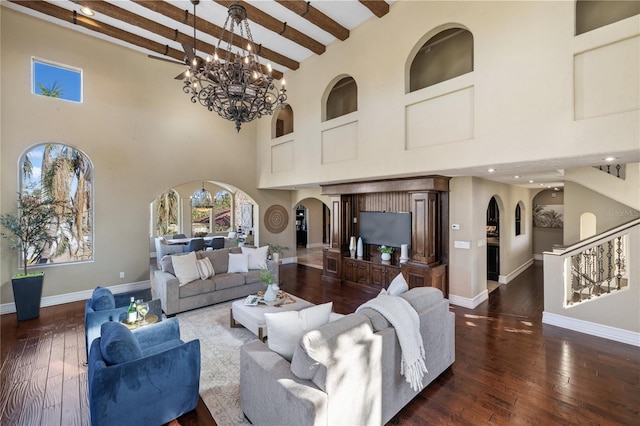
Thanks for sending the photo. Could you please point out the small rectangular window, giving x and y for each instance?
(56, 81)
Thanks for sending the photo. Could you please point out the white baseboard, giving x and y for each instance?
(594, 329)
(505, 279)
(59, 299)
(285, 260)
(466, 302)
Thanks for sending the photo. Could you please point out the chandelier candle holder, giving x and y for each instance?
(236, 86)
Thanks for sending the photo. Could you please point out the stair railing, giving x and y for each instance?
(597, 265)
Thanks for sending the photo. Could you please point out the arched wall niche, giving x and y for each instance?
(340, 97)
(450, 47)
(282, 122)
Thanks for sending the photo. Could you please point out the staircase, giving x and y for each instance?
(593, 286)
(622, 188)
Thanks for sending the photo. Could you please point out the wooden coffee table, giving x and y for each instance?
(252, 317)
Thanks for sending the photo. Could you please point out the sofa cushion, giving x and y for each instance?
(257, 256)
(397, 286)
(102, 299)
(317, 348)
(223, 281)
(118, 344)
(286, 328)
(238, 263)
(197, 287)
(205, 269)
(185, 267)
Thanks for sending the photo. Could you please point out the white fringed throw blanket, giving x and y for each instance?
(406, 322)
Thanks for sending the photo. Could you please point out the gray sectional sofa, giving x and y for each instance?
(348, 372)
(222, 286)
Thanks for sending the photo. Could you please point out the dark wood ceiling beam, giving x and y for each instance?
(116, 12)
(378, 7)
(313, 15)
(207, 27)
(108, 30)
(259, 17)
(100, 27)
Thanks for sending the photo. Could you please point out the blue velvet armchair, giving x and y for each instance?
(149, 377)
(104, 306)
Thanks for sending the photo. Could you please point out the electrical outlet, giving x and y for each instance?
(121, 274)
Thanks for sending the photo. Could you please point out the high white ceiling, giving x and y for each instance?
(158, 28)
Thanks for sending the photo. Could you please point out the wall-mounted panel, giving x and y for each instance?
(440, 120)
(282, 157)
(340, 143)
(607, 79)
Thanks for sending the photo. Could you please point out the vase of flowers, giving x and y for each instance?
(385, 252)
(271, 294)
(276, 251)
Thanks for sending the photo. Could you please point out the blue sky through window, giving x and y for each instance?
(67, 81)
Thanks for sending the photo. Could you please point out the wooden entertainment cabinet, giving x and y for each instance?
(426, 197)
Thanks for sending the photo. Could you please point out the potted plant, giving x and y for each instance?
(29, 232)
(276, 250)
(386, 252)
(267, 278)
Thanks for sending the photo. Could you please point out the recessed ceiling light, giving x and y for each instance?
(609, 158)
(541, 184)
(531, 181)
(556, 189)
(86, 11)
(516, 177)
(491, 170)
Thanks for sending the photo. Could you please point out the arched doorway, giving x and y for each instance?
(312, 232)
(493, 244)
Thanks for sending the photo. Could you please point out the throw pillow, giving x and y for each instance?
(286, 328)
(238, 263)
(186, 268)
(205, 269)
(102, 299)
(257, 256)
(118, 344)
(397, 286)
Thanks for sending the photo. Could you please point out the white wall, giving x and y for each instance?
(139, 129)
(469, 199)
(523, 102)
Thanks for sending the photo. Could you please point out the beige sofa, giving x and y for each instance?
(222, 286)
(346, 372)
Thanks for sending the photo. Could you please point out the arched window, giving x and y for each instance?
(63, 174)
(284, 122)
(592, 14)
(167, 213)
(223, 211)
(342, 99)
(518, 219)
(444, 56)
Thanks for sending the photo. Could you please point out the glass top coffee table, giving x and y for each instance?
(252, 317)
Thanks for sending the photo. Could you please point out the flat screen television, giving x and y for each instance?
(385, 228)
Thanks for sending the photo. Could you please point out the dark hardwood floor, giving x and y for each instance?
(510, 368)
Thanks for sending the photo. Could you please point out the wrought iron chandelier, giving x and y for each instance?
(236, 86)
(202, 200)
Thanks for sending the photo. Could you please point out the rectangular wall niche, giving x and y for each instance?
(607, 79)
(440, 120)
(282, 157)
(340, 143)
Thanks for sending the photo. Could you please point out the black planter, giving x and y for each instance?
(27, 293)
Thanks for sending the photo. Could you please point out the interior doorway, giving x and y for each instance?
(493, 245)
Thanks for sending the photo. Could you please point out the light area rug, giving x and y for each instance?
(220, 353)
